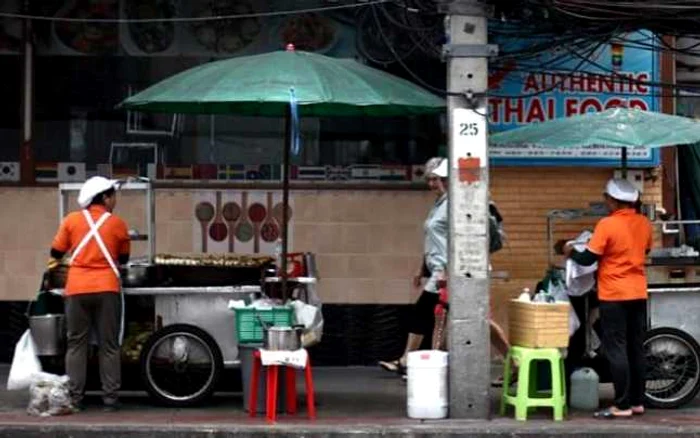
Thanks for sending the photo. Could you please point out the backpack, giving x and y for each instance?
(496, 233)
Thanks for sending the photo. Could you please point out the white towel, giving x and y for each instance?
(580, 279)
(296, 359)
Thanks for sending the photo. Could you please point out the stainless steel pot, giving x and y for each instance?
(49, 334)
(282, 338)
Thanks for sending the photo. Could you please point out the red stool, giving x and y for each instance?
(271, 389)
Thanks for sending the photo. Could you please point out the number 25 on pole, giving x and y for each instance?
(469, 129)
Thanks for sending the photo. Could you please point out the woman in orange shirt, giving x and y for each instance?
(619, 244)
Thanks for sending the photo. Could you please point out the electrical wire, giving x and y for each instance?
(191, 19)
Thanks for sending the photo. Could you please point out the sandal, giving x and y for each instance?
(393, 366)
(613, 413)
(638, 410)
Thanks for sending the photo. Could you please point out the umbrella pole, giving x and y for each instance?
(624, 163)
(285, 198)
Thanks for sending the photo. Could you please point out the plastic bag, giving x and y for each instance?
(39, 400)
(311, 318)
(49, 395)
(580, 279)
(59, 400)
(556, 287)
(496, 233)
(25, 363)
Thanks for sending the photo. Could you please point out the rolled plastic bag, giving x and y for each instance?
(25, 364)
(49, 395)
(311, 318)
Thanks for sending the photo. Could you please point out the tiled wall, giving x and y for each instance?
(368, 243)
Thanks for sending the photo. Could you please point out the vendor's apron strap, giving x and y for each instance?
(94, 233)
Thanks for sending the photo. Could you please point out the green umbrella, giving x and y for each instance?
(615, 128)
(259, 85)
(267, 84)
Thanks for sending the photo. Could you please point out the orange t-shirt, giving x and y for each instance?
(90, 272)
(621, 242)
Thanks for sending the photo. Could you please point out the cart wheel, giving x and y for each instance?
(673, 368)
(180, 365)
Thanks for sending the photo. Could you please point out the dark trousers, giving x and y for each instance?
(624, 326)
(101, 311)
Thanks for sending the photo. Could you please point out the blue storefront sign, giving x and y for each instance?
(575, 80)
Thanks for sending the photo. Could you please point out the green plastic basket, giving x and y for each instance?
(248, 327)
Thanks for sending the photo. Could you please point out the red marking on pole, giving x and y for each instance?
(469, 170)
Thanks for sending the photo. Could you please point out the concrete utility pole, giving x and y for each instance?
(467, 55)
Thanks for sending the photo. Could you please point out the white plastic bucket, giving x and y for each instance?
(427, 384)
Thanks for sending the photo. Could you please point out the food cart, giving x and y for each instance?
(671, 344)
(180, 335)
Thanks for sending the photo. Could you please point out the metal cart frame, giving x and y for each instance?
(673, 318)
(201, 312)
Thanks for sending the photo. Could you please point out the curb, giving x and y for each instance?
(476, 429)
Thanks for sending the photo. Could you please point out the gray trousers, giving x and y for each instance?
(100, 311)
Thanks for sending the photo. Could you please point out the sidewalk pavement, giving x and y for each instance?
(353, 402)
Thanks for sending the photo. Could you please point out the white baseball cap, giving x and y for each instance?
(622, 190)
(93, 187)
(440, 169)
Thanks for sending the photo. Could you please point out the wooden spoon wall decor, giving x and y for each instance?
(270, 231)
(232, 212)
(244, 229)
(218, 229)
(278, 211)
(204, 212)
(257, 214)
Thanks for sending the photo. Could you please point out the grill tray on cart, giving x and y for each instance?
(213, 269)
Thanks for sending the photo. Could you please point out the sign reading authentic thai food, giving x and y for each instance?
(572, 79)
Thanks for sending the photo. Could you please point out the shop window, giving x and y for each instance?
(10, 104)
(76, 121)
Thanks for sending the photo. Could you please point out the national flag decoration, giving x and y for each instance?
(337, 173)
(205, 171)
(417, 173)
(308, 173)
(395, 173)
(231, 172)
(252, 173)
(365, 172)
(71, 172)
(46, 172)
(270, 172)
(177, 172)
(9, 171)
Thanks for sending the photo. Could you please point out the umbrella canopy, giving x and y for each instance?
(260, 85)
(614, 128)
(290, 84)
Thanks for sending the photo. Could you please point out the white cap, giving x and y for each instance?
(622, 190)
(93, 187)
(432, 164)
(439, 169)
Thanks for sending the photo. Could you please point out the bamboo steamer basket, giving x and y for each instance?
(538, 325)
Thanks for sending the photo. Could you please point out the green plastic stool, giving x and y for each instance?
(526, 396)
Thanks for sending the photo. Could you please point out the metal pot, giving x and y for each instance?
(49, 334)
(283, 338)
